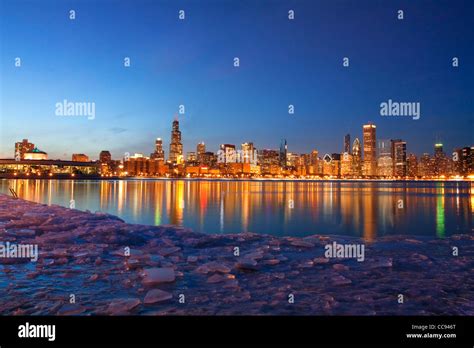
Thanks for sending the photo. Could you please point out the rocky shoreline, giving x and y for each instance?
(109, 267)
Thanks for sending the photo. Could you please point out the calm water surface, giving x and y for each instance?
(290, 208)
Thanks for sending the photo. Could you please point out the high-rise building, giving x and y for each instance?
(248, 153)
(440, 160)
(399, 155)
(356, 158)
(412, 164)
(464, 161)
(370, 150)
(191, 157)
(176, 147)
(105, 157)
(227, 154)
(347, 143)
(23, 147)
(384, 158)
(269, 160)
(159, 153)
(200, 150)
(283, 156)
(426, 165)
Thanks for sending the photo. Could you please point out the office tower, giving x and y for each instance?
(356, 158)
(347, 143)
(248, 153)
(191, 157)
(159, 153)
(464, 161)
(283, 156)
(384, 158)
(200, 151)
(412, 164)
(22, 147)
(399, 155)
(370, 150)
(176, 147)
(227, 153)
(105, 157)
(440, 160)
(269, 160)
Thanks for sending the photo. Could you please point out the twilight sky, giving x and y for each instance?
(190, 62)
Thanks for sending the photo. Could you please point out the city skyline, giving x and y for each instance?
(191, 64)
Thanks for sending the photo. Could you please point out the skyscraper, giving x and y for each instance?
(356, 158)
(176, 147)
(412, 165)
(347, 143)
(440, 160)
(200, 151)
(159, 153)
(384, 158)
(399, 155)
(370, 149)
(283, 153)
(23, 147)
(248, 155)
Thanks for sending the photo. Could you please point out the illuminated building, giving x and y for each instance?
(191, 157)
(384, 159)
(21, 148)
(80, 157)
(464, 161)
(347, 143)
(269, 161)
(227, 154)
(105, 157)
(313, 167)
(35, 154)
(200, 151)
(248, 154)
(356, 158)
(159, 153)
(440, 160)
(426, 165)
(208, 159)
(346, 164)
(370, 150)
(399, 155)
(283, 155)
(412, 165)
(176, 147)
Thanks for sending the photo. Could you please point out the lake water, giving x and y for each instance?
(283, 208)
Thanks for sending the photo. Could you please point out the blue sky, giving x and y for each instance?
(190, 62)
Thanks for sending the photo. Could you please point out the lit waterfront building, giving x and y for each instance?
(35, 154)
(209, 159)
(227, 154)
(440, 160)
(399, 155)
(176, 147)
(105, 156)
(269, 161)
(248, 153)
(412, 165)
(200, 150)
(283, 155)
(21, 148)
(191, 157)
(313, 166)
(356, 158)
(159, 153)
(464, 161)
(346, 164)
(384, 159)
(426, 165)
(80, 157)
(347, 143)
(370, 150)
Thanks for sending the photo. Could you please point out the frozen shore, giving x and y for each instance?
(174, 271)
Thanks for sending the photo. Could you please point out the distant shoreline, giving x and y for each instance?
(96, 178)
